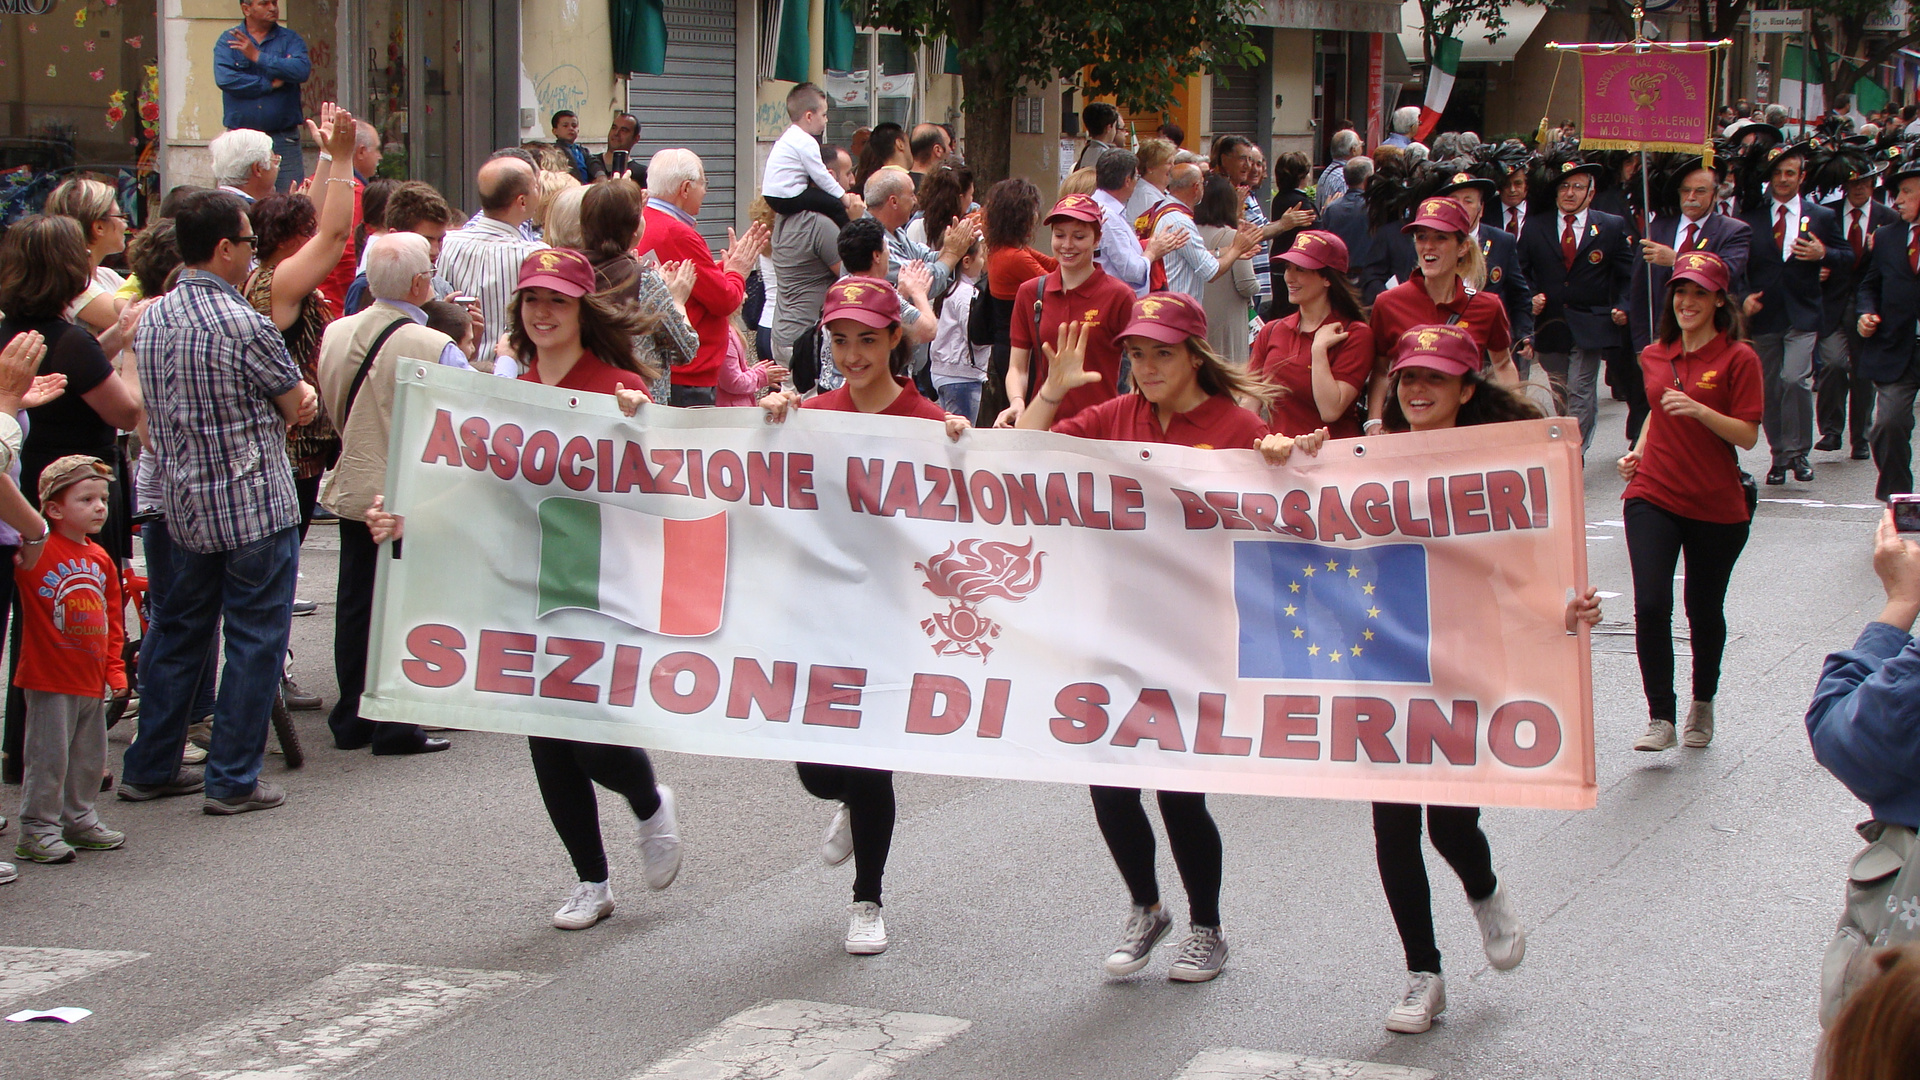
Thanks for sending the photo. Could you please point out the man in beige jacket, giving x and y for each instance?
(357, 357)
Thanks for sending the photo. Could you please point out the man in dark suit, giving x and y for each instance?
(1346, 216)
(1889, 300)
(1839, 388)
(1793, 237)
(1580, 262)
(1696, 228)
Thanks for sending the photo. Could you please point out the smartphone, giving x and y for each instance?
(1906, 513)
(459, 299)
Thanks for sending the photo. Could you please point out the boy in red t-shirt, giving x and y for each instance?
(72, 631)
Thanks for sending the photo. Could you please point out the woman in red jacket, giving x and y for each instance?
(1684, 490)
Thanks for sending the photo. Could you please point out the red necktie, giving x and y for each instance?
(1513, 221)
(1567, 244)
(1857, 238)
(1692, 229)
(1780, 230)
(1913, 249)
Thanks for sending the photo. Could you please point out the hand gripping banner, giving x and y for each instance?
(1383, 621)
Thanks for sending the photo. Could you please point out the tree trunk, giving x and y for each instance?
(989, 129)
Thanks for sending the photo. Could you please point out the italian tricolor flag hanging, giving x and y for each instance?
(662, 575)
(1440, 73)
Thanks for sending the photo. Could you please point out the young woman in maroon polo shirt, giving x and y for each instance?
(1079, 291)
(862, 316)
(1321, 356)
(1450, 269)
(1684, 492)
(1436, 383)
(1185, 395)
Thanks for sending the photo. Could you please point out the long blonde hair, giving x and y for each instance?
(1218, 375)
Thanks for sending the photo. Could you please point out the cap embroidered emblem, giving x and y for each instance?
(1150, 309)
(1461, 178)
(852, 293)
(549, 260)
(1426, 338)
(1433, 206)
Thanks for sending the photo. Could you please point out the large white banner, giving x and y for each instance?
(1383, 621)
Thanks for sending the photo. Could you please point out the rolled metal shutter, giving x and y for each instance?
(692, 105)
(1236, 107)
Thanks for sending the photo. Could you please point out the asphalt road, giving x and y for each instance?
(392, 919)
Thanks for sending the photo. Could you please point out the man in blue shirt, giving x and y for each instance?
(259, 66)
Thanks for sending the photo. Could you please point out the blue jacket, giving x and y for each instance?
(249, 97)
(1864, 722)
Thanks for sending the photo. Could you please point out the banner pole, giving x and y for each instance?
(1646, 210)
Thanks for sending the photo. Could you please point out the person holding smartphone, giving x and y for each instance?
(1685, 491)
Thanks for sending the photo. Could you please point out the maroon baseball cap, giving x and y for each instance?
(563, 271)
(1166, 317)
(1441, 212)
(1703, 268)
(1442, 348)
(1076, 208)
(867, 301)
(1317, 249)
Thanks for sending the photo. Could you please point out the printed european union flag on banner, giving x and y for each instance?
(1308, 611)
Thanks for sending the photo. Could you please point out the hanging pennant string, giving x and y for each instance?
(1540, 137)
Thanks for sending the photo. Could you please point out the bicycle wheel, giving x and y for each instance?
(289, 738)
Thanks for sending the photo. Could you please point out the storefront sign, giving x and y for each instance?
(1777, 22)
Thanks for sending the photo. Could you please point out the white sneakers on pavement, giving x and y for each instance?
(1201, 957)
(1143, 931)
(866, 930)
(1659, 736)
(1699, 732)
(838, 845)
(591, 901)
(660, 843)
(1500, 930)
(1426, 998)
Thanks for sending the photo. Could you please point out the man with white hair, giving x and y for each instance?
(1405, 119)
(892, 202)
(244, 163)
(1190, 266)
(357, 358)
(677, 191)
(1333, 179)
(483, 258)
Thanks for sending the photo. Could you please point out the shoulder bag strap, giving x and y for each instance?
(366, 365)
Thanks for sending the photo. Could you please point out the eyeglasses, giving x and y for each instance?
(250, 241)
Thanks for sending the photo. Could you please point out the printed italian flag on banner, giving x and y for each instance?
(1440, 73)
(662, 575)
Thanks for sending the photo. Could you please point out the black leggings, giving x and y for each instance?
(567, 771)
(868, 794)
(1191, 833)
(812, 197)
(1403, 868)
(1655, 539)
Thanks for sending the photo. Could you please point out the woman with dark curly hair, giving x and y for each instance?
(1012, 210)
(946, 196)
(299, 241)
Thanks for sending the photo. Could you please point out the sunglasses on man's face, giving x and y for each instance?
(250, 241)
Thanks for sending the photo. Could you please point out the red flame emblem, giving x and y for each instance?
(967, 573)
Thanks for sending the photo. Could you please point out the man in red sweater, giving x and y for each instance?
(676, 190)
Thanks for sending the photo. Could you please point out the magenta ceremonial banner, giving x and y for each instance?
(1656, 100)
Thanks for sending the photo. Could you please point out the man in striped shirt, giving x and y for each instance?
(482, 259)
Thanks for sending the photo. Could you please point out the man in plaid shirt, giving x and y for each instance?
(220, 391)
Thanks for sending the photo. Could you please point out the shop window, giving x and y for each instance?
(79, 95)
(863, 97)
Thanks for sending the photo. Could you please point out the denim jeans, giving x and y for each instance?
(293, 168)
(252, 589)
(961, 399)
(159, 549)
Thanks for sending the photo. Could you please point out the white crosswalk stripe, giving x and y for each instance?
(327, 1027)
(805, 1040)
(1237, 1064)
(26, 972)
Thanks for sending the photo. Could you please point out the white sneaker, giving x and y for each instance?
(192, 755)
(660, 842)
(591, 901)
(1500, 930)
(866, 930)
(1142, 932)
(7, 872)
(1699, 731)
(1426, 998)
(1659, 736)
(838, 846)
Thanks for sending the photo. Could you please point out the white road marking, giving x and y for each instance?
(26, 973)
(326, 1027)
(802, 1040)
(1238, 1064)
(1817, 504)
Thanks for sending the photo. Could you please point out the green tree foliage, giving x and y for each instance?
(1139, 52)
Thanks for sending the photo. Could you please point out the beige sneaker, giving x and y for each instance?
(1659, 736)
(191, 754)
(1699, 726)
